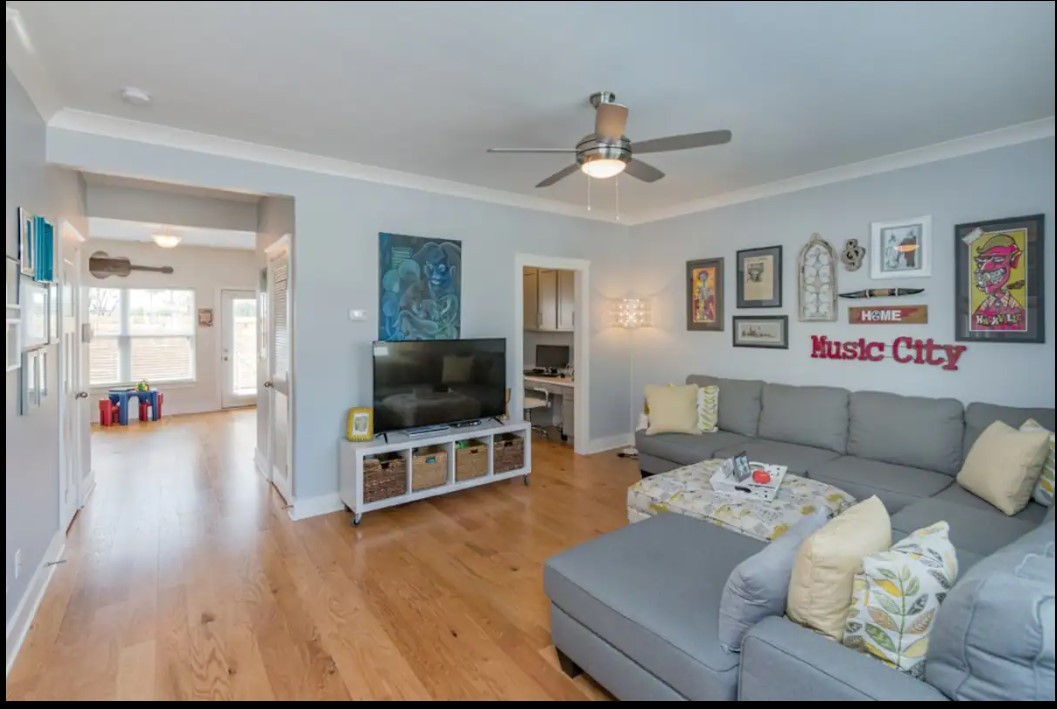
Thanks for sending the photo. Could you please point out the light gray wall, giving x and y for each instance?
(206, 271)
(275, 217)
(336, 268)
(156, 207)
(32, 458)
(1006, 182)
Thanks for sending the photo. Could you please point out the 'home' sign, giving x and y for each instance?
(905, 350)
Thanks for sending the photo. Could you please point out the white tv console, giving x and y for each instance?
(351, 455)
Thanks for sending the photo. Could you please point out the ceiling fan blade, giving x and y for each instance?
(682, 142)
(610, 120)
(532, 150)
(643, 171)
(561, 174)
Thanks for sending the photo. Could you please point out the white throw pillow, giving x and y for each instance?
(895, 598)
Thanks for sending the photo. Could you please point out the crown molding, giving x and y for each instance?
(980, 142)
(167, 136)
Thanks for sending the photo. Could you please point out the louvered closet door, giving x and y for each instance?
(279, 370)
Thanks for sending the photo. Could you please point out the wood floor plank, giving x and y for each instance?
(186, 579)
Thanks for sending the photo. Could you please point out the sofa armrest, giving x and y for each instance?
(781, 660)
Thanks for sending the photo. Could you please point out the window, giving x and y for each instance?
(140, 333)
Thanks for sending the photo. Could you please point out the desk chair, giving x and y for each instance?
(536, 399)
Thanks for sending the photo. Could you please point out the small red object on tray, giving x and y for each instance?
(761, 477)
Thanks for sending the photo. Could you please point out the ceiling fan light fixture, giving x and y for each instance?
(166, 241)
(603, 168)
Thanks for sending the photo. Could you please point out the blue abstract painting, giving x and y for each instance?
(420, 288)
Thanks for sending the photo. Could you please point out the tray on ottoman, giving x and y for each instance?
(688, 490)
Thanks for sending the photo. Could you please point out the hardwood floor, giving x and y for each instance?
(186, 579)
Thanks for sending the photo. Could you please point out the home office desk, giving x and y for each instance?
(562, 392)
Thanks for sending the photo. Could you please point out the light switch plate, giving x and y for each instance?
(357, 314)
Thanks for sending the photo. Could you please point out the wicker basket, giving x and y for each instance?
(384, 476)
(429, 467)
(471, 461)
(509, 453)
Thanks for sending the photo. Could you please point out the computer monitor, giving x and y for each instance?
(552, 356)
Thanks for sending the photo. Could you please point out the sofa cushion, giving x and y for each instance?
(758, 587)
(799, 459)
(1004, 465)
(652, 591)
(683, 448)
(739, 402)
(993, 635)
(906, 430)
(979, 416)
(652, 465)
(972, 529)
(896, 485)
(1033, 513)
(810, 416)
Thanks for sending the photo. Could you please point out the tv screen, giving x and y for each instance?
(425, 383)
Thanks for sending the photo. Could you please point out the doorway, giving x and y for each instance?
(277, 385)
(238, 348)
(543, 284)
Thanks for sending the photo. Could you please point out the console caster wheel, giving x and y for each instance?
(356, 519)
(524, 479)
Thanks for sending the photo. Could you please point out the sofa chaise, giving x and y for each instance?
(637, 609)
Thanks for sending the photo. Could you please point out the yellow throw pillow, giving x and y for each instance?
(673, 409)
(1004, 464)
(827, 561)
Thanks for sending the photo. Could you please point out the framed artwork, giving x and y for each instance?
(11, 278)
(767, 331)
(205, 317)
(26, 243)
(53, 313)
(359, 426)
(420, 284)
(34, 314)
(901, 248)
(817, 281)
(1000, 280)
(760, 278)
(704, 294)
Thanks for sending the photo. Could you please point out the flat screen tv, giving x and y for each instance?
(427, 383)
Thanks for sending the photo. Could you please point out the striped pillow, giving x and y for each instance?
(708, 409)
(1043, 492)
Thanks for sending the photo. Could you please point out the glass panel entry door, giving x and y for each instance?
(238, 351)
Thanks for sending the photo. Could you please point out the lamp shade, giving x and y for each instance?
(166, 241)
(632, 313)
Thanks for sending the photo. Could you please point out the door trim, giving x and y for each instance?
(219, 349)
(581, 340)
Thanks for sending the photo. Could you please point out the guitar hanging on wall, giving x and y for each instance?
(102, 266)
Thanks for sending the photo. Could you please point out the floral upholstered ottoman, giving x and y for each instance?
(688, 491)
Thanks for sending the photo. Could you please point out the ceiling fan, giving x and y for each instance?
(607, 152)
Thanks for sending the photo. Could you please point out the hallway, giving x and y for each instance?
(186, 579)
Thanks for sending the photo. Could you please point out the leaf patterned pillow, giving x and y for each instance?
(1043, 492)
(895, 598)
(708, 408)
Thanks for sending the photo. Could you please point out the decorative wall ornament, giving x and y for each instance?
(205, 317)
(882, 292)
(420, 284)
(704, 294)
(852, 255)
(889, 315)
(817, 278)
(760, 277)
(101, 265)
(768, 331)
(901, 248)
(1000, 271)
(904, 350)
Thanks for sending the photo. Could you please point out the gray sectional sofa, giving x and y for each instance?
(638, 608)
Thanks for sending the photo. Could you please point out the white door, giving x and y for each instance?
(277, 384)
(75, 470)
(238, 348)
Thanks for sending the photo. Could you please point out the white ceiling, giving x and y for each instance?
(426, 87)
(98, 180)
(126, 230)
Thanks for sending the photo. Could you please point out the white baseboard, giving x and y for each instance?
(597, 445)
(261, 462)
(315, 506)
(22, 619)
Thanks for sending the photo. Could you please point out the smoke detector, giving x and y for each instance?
(135, 97)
